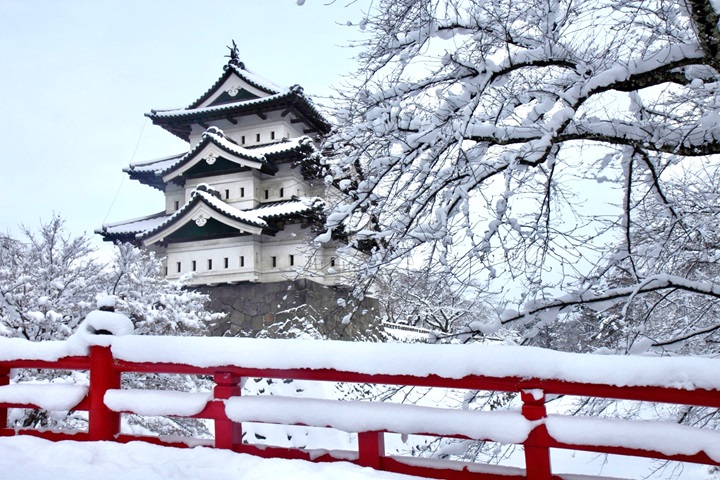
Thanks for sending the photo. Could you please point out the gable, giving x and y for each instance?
(239, 96)
(212, 228)
(210, 158)
(232, 90)
(220, 166)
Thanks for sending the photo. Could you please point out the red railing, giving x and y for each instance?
(228, 410)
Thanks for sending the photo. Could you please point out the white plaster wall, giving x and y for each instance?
(217, 251)
(252, 125)
(258, 253)
(288, 179)
(230, 185)
(174, 193)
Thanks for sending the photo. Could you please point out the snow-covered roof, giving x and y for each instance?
(262, 219)
(153, 165)
(244, 73)
(236, 153)
(288, 208)
(216, 208)
(266, 96)
(125, 228)
(187, 112)
(159, 171)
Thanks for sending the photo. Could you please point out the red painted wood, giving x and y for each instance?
(227, 433)
(46, 434)
(537, 455)
(701, 458)
(66, 363)
(371, 448)
(4, 380)
(104, 424)
(697, 397)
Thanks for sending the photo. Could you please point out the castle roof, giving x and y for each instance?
(239, 92)
(218, 154)
(205, 209)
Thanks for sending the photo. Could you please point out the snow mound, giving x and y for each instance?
(99, 328)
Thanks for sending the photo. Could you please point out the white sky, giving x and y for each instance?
(77, 77)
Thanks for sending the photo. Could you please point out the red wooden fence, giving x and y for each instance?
(104, 424)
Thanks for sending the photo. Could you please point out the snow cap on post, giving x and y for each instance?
(99, 327)
(106, 303)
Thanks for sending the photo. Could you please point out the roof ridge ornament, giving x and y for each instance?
(235, 56)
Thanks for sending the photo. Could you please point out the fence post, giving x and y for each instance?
(104, 423)
(371, 448)
(4, 380)
(227, 433)
(537, 456)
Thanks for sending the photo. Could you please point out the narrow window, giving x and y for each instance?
(209, 263)
(227, 194)
(242, 140)
(267, 194)
(194, 265)
(332, 262)
(274, 261)
(292, 260)
(272, 135)
(177, 205)
(282, 192)
(179, 267)
(227, 262)
(242, 192)
(242, 261)
(166, 271)
(257, 137)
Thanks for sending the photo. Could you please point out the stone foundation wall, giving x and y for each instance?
(290, 309)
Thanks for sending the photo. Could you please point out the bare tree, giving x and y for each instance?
(546, 148)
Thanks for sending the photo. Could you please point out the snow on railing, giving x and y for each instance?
(531, 372)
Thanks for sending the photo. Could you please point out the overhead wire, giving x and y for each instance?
(122, 180)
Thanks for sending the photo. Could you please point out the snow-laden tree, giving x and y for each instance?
(156, 305)
(50, 280)
(546, 148)
(425, 299)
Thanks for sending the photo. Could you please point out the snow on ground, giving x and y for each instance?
(30, 458)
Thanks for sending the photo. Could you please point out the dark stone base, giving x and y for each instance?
(291, 309)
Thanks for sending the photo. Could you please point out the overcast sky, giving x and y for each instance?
(78, 76)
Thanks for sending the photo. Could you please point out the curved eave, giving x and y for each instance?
(180, 122)
(282, 213)
(147, 178)
(208, 142)
(191, 211)
(128, 230)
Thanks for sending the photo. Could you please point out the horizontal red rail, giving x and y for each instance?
(104, 423)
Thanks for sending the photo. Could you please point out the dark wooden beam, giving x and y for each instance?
(231, 120)
(262, 115)
(285, 112)
(309, 130)
(204, 125)
(296, 120)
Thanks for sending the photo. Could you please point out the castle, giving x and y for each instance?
(243, 204)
